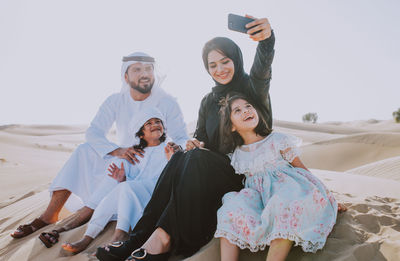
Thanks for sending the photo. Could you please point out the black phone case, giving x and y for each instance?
(237, 23)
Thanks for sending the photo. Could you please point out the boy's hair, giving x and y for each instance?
(143, 143)
(229, 139)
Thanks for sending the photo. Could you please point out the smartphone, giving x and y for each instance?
(237, 23)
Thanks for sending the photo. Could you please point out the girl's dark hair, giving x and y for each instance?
(143, 143)
(229, 139)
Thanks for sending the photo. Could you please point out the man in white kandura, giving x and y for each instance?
(85, 169)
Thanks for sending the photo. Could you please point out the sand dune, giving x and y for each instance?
(307, 136)
(371, 125)
(387, 168)
(376, 138)
(327, 128)
(29, 163)
(344, 153)
(331, 147)
(31, 155)
(43, 130)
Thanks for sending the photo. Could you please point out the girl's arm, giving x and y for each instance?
(298, 164)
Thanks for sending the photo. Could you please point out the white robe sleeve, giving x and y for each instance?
(99, 127)
(176, 127)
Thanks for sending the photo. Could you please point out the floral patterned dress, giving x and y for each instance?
(278, 201)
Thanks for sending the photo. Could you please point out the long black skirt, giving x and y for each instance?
(186, 199)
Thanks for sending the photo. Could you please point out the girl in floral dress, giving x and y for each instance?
(282, 203)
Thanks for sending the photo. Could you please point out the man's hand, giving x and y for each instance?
(117, 173)
(130, 154)
(262, 25)
(194, 143)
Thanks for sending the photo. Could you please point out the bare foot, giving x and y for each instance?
(79, 246)
(79, 218)
(49, 220)
(341, 208)
(159, 242)
(119, 235)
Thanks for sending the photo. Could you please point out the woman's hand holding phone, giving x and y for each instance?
(261, 26)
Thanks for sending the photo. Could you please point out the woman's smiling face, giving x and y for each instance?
(220, 67)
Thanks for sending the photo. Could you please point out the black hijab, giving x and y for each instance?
(227, 47)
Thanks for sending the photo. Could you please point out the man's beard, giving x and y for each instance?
(145, 89)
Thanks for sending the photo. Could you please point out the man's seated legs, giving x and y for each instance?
(81, 175)
(57, 201)
(85, 213)
(49, 216)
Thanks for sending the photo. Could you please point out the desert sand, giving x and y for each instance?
(359, 161)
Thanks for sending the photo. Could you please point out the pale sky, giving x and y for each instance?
(59, 60)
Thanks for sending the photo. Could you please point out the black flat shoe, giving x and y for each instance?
(141, 254)
(118, 251)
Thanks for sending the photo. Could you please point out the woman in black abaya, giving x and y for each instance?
(181, 215)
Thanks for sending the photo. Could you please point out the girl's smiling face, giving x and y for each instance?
(244, 116)
(220, 67)
(153, 129)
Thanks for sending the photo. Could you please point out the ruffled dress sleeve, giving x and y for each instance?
(288, 146)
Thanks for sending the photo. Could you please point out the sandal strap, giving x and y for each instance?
(38, 223)
(142, 253)
(55, 232)
(27, 228)
(116, 244)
